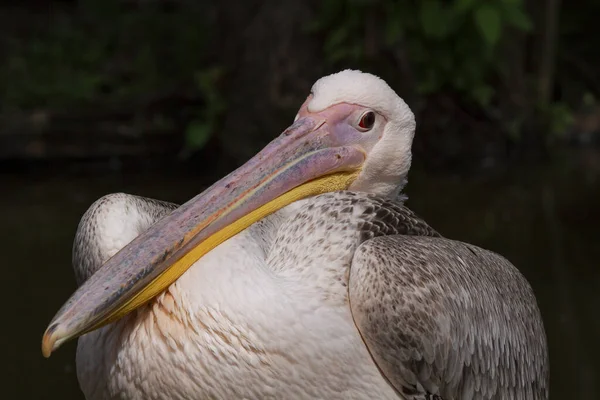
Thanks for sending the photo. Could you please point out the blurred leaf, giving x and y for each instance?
(513, 2)
(336, 38)
(106, 8)
(487, 19)
(206, 79)
(364, 2)
(197, 134)
(398, 21)
(483, 94)
(345, 53)
(514, 127)
(588, 100)
(393, 30)
(332, 9)
(445, 59)
(459, 81)
(561, 118)
(516, 16)
(433, 18)
(429, 83)
(462, 6)
(329, 12)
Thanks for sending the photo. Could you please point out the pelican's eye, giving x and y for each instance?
(367, 120)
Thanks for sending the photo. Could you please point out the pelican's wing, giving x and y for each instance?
(447, 320)
(108, 225)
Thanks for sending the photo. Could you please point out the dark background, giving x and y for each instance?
(161, 98)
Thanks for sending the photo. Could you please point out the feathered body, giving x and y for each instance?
(345, 295)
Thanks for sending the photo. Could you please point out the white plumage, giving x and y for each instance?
(236, 325)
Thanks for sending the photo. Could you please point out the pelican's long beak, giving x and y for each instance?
(307, 159)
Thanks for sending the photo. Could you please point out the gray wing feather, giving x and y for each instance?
(449, 319)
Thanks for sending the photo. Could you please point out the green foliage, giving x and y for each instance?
(560, 117)
(487, 19)
(451, 45)
(104, 55)
(200, 130)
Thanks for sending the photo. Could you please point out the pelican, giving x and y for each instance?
(301, 275)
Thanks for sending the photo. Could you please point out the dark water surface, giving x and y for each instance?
(544, 219)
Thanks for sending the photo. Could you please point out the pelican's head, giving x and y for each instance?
(353, 132)
(363, 110)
